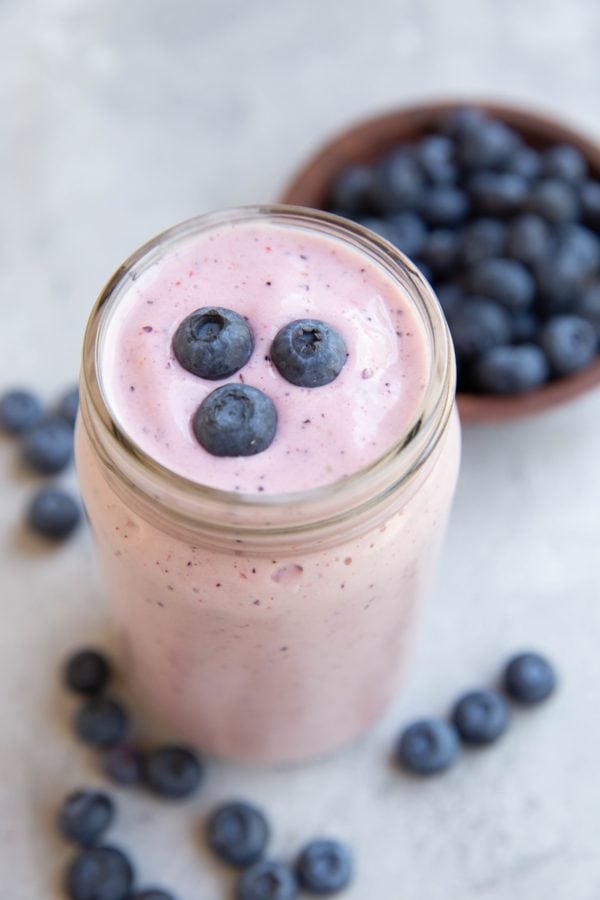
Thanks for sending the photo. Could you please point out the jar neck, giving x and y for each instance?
(204, 514)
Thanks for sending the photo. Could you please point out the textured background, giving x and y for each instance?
(119, 118)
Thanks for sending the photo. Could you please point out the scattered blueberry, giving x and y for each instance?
(569, 343)
(85, 815)
(497, 193)
(173, 772)
(407, 232)
(53, 513)
(441, 250)
(19, 411)
(529, 678)
(427, 746)
(554, 200)
(123, 764)
(267, 880)
(151, 894)
(101, 721)
(444, 205)
(213, 343)
(48, 446)
(99, 873)
(87, 671)
(436, 154)
(238, 833)
(478, 324)
(528, 239)
(68, 405)
(482, 239)
(235, 420)
(308, 353)
(511, 369)
(505, 280)
(480, 717)
(564, 161)
(351, 189)
(324, 867)
(397, 182)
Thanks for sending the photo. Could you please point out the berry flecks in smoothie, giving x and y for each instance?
(269, 276)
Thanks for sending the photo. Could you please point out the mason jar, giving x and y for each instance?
(268, 627)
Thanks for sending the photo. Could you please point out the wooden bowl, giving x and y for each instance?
(372, 138)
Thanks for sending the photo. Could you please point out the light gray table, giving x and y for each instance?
(119, 118)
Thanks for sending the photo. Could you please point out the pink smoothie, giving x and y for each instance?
(271, 275)
(287, 647)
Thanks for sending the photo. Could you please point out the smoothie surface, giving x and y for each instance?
(271, 274)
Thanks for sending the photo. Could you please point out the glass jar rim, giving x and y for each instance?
(385, 473)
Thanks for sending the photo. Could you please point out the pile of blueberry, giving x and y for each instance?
(46, 445)
(237, 832)
(507, 234)
(478, 718)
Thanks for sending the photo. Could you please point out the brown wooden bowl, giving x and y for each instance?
(371, 138)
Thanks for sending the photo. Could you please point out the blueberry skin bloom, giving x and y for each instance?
(480, 717)
(529, 678)
(427, 746)
(235, 420)
(19, 410)
(213, 342)
(48, 446)
(101, 721)
(53, 513)
(267, 880)
(238, 833)
(308, 353)
(85, 815)
(99, 873)
(324, 867)
(173, 772)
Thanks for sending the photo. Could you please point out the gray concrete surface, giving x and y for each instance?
(119, 118)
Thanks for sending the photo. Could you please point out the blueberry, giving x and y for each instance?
(497, 193)
(529, 678)
(85, 815)
(529, 239)
(525, 161)
(427, 746)
(511, 370)
(524, 327)
(480, 717)
(482, 239)
(324, 867)
(436, 154)
(559, 283)
(569, 342)
(578, 242)
(19, 410)
(213, 342)
(235, 420)
(564, 161)
(238, 833)
(267, 880)
(450, 296)
(486, 144)
(173, 772)
(87, 671)
(461, 121)
(477, 325)
(444, 205)
(68, 405)
(151, 894)
(590, 203)
(504, 280)
(441, 250)
(350, 189)
(99, 873)
(588, 306)
(101, 721)
(407, 232)
(53, 513)
(397, 181)
(308, 352)
(48, 446)
(553, 199)
(123, 764)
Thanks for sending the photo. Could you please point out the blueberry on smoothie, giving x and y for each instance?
(529, 678)
(235, 420)
(267, 880)
(480, 717)
(53, 513)
(85, 815)
(173, 772)
(238, 833)
(427, 746)
(19, 410)
(324, 867)
(87, 671)
(213, 343)
(308, 353)
(99, 873)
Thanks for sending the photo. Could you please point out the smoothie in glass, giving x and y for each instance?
(266, 601)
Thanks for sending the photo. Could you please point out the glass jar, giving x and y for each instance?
(268, 627)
